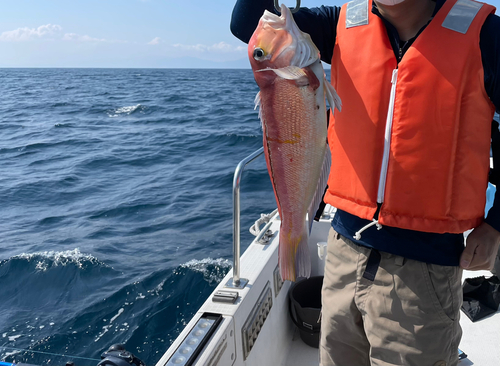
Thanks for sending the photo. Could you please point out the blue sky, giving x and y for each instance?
(123, 33)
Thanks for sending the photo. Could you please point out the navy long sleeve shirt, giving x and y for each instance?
(321, 24)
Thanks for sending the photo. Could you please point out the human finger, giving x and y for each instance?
(468, 254)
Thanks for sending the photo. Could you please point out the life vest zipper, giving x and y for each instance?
(387, 139)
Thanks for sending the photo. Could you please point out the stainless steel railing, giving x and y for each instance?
(238, 282)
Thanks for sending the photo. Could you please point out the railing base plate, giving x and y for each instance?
(231, 284)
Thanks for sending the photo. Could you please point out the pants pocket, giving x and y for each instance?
(445, 289)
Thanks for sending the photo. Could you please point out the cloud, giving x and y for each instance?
(218, 47)
(49, 31)
(218, 52)
(79, 38)
(27, 34)
(154, 41)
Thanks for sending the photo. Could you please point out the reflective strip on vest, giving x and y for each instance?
(387, 140)
(461, 15)
(357, 13)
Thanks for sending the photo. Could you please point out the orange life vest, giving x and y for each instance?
(414, 137)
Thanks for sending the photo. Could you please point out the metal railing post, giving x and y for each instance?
(236, 281)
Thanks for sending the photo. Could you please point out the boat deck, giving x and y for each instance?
(480, 340)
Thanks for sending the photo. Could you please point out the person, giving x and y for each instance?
(419, 82)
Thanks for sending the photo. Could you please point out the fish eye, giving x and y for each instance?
(258, 54)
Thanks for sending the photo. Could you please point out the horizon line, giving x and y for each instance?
(127, 68)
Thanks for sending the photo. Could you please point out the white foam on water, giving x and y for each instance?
(14, 337)
(195, 263)
(106, 328)
(124, 328)
(7, 354)
(158, 288)
(42, 266)
(202, 266)
(124, 110)
(117, 315)
(62, 258)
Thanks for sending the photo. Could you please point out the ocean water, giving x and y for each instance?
(116, 205)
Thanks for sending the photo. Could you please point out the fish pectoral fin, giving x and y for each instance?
(257, 105)
(293, 73)
(257, 101)
(332, 96)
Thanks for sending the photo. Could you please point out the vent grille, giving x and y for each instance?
(278, 282)
(256, 319)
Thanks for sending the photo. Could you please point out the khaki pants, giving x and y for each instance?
(496, 267)
(407, 315)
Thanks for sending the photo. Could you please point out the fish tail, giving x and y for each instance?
(294, 258)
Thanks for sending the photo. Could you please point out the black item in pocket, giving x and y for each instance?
(481, 297)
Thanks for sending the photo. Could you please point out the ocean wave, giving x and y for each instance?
(213, 270)
(59, 104)
(126, 110)
(39, 146)
(124, 210)
(48, 259)
(60, 125)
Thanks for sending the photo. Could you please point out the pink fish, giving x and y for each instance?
(287, 68)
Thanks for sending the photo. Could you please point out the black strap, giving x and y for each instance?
(372, 265)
